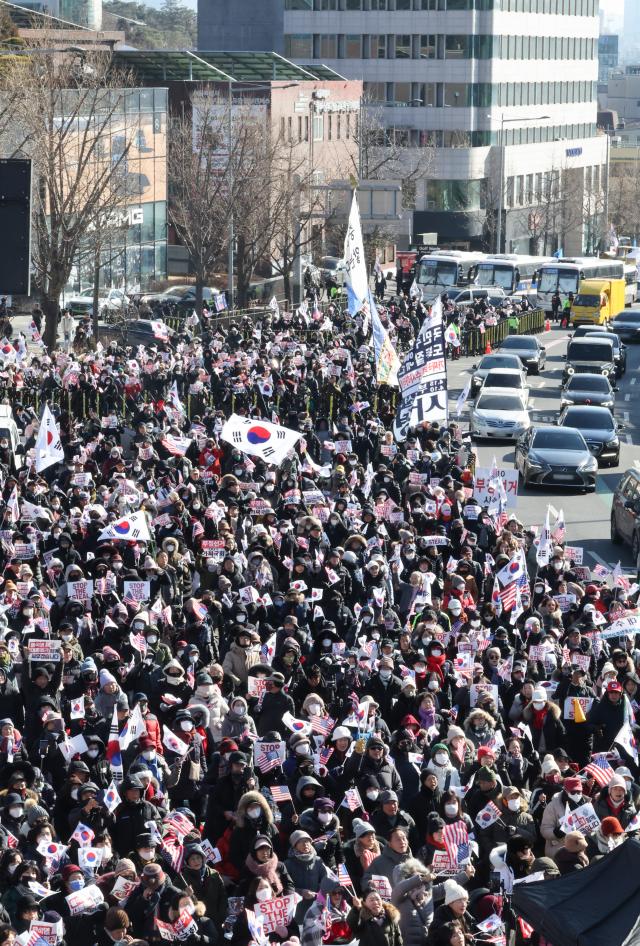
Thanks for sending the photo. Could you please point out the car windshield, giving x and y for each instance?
(519, 342)
(560, 439)
(496, 402)
(599, 420)
(632, 317)
(587, 300)
(581, 382)
(500, 379)
(180, 292)
(589, 351)
(499, 361)
(329, 263)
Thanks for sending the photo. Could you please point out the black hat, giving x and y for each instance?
(145, 839)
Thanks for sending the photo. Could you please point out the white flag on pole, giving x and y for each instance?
(462, 398)
(260, 438)
(354, 262)
(129, 528)
(48, 447)
(174, 398)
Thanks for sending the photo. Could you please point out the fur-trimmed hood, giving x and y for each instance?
(204, 712)
(392, 913)
(479, 713)
(248, 799)
(410, 868)
(552, 708)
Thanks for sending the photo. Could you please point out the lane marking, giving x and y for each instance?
(601, 561)
(633, 380)
(627, 397)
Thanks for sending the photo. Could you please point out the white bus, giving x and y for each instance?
(511, 272)
(443, 270)
(566, 274)
(630, 283)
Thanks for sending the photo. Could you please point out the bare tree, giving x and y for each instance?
(69, 112)
(198, 168)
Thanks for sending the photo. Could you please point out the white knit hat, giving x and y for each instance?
(453, 891)
(549, 765)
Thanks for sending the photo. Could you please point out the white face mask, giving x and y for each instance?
(514, 804)
(385, 674)
(314, 709)
(432, 685)
(238, 710)
(441, 758)
(152, 639)
(538, 704)
(186, 726)
(205, 691)
(149, 754)
(255, 811)
(303, 749)
(263, 894)
(93, 753)
(576, 796)
(451, 810)
(146, 854)
(372, 794)
(324, 817)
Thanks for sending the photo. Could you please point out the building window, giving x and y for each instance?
(298, 46)
(353, 5)
(378, 46)
(327, 44)
(375, 92)
(510, 190)
(428, 47)
(403, 46)
(455, 94)
(325, 4)
(456, 47)
(299, 5)
(318, 127)
(353, 46)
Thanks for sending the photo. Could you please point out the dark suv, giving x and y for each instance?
(625, 512)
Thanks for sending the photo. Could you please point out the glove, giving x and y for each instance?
(511, 830)
(558, 832)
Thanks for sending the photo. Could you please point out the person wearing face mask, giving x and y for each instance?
(150, 758)
(12, 817)
(243, 654)
(253, 818)
(145, 852)
(323, 826)
(188, 769)
(384, 687)
(571, 796)
(306, 869)
(208, 695)
(238, 720)
(205, 882)
(80, 928)
(170, 680)
(514, 820)
(275, 704)
(544, 720)
(89, 810)
(442, 767)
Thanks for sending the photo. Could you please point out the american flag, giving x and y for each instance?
(343, 876)
(599, 770)
(352, 799)
(456, 841)
(508, 596)
(173, 850)
(322, 725)
(325, 754)
(280, 794)
(267, 761)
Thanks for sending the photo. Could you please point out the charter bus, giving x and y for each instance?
(566, 274)
(630, 283)
(442, 270)
(511, 272)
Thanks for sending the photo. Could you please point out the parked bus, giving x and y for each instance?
(631, 283)
(566, 274)
(445, 269)
(511, 272)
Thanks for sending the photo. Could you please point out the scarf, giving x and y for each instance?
(268, 871)
(427, 718)
(435, 665)
(539, 717)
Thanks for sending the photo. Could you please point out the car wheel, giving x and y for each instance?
(616, 538)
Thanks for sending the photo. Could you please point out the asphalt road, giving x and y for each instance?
(587, 516)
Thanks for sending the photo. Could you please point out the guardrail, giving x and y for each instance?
(474, 341)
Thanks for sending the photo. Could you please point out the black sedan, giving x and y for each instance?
(619, 350)
(136, 332)
(626, 325)
(556, 456)
(531, 353)
(588, 389)
(599, 429)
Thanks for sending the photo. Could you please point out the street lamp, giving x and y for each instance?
(503, 121)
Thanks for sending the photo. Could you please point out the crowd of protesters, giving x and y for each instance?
(304, 703)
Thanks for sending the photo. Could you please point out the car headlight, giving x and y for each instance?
(612, 443)
(605, 372)
(536, 462)
(588, 466)
(477, 379)
(570, 370)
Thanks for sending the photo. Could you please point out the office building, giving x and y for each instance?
(446, 76)
(623, 93)
(241, 24)
(608, 56)
(630, 36)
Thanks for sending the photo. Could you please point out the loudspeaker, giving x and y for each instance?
(15, 227)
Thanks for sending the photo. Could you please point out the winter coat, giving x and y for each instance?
(605, 719)
(330, 849)
(384, 771)
(247, 830)
(447, 775)
(551, 736)
(274, 705)
(384, 865)
(603, 809)
(481, 737)
(307, 872)
(208, 887)
(553, 815)
(371, 933)
(217, 707)
(416, 920)
(238, 661)
(234, 726)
